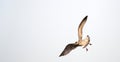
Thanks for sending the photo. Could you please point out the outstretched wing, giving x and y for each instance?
(81, 27)
(68, 48)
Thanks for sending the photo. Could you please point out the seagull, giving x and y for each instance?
(81, 42)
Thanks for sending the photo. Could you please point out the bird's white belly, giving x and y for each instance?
(84, 43)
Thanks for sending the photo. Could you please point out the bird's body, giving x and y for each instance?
(81, 42)
(84, 42)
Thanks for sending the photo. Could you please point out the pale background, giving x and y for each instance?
(38, 30)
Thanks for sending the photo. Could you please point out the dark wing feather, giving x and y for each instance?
(68, 48)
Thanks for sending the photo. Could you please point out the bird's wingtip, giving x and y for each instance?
(86, 16)
(60, 55)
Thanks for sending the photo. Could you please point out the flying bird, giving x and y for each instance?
(81, 42)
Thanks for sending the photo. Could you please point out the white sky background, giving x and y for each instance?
(39, 30)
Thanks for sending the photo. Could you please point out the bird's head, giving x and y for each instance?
(87, 35)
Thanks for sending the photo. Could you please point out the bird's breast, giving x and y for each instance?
(84, 43)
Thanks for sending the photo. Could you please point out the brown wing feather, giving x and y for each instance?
(68, 48)
(81, 27)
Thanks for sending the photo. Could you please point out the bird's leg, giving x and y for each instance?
(86, 49)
